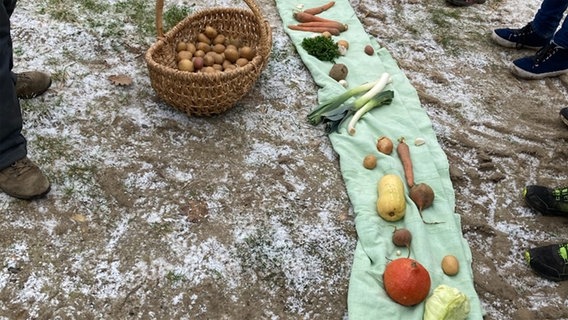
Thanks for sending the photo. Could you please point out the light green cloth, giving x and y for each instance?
(403, 117)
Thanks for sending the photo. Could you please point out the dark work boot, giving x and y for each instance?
(31, 84)
(24, 180)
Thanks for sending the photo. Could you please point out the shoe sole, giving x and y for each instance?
(535, 76)
(510, 44)
(34, 197)
(37, 94)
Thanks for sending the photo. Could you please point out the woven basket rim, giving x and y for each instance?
(172, 78)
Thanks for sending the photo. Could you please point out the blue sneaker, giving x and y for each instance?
(550, 61)
(519, 38)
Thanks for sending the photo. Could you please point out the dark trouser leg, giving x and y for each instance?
(548, 17)
(12, 142)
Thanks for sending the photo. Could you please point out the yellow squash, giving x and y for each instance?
(391, 204)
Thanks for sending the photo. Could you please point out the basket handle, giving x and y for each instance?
(262, 22)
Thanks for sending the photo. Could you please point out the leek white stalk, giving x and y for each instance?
(383, 97)
(378, 87)
(316, 116)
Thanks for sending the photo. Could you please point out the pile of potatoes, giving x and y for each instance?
(212, 52)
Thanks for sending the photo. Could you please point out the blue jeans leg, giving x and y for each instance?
(547, 18)
(12, 142)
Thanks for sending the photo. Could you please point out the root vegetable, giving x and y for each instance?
(450, 265)
(210, 32)
(403, 152)
(185, 65)
(422, 195)
(384, 145)
(370, 161)
(301, 16)
(324, 24)
(201, 37)
(338, 71)
(333, 31)
(320, 9)
(401, 237)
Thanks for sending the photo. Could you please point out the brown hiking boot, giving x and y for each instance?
(24, 180)
(31, 84)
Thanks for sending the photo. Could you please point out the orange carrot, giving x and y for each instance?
(331, 24)
(320, 9)
(403, 152)
(333, 31)
(301, 16)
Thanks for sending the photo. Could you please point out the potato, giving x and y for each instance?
(231, 54)
(229, 67)
(450, 265)
(370, 161)
(218, 58)
(181, 46)
(209, 70)
(241, 62)
(247, 52)
(203, 46)
(201, 37)
(185, 65)
(210, 32)
(219, 39)
(226, 63)
(199, 53)
(208, 60)
(191, 47)
(184, 55)
(219, 48)
(198, 63)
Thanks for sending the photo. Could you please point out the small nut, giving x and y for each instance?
(369, 50)
(419, 141)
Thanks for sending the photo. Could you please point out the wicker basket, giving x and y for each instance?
(208, 94)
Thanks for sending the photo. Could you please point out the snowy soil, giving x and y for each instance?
(157, 215)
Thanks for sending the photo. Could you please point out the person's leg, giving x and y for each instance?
(12, 143)
(548, 17)
(19, 177)
(537, 33)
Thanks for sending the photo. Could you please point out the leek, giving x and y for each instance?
(329, 108)
(384, 97)
(378, 87)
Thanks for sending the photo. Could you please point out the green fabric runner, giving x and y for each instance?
(403, 117)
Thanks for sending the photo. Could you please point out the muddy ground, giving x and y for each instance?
(156, 215)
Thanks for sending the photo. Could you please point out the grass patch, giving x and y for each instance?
(444, 31)
(114, 20)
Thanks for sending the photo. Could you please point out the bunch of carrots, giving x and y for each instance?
(309, 21)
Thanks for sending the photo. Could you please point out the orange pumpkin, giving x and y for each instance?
(406, 281)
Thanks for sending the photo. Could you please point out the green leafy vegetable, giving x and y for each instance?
(334, 112)
(323, 48)
(446, 303)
